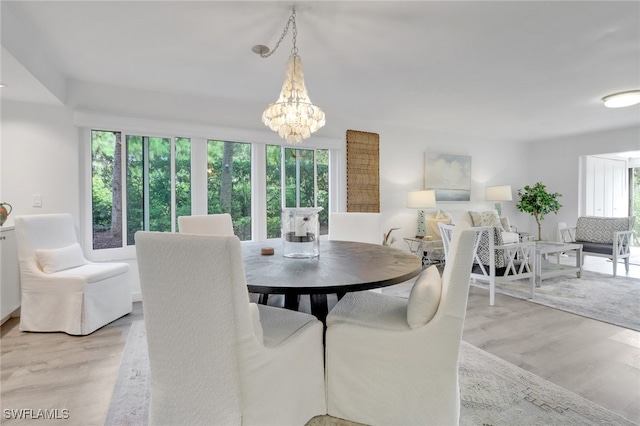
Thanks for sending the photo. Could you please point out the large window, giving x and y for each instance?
(157, 182)
(229, 183)
(150, 202)
(306, 183)
(106, 189)
(143, 182)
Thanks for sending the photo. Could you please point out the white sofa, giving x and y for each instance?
(608, 237)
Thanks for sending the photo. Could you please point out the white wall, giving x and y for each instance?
(39, 155)
(555, 163)
(402, 153)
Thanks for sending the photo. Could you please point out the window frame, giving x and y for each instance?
(199, 136)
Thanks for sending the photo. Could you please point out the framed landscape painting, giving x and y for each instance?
(449, 176)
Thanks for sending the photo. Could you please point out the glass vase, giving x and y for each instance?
(301, 232)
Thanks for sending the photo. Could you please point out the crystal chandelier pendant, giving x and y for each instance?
(293, 116)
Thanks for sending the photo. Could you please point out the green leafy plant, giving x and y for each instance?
(536, 201)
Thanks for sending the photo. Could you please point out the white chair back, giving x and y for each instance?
(360, 227)
(211, 224)
(208, 354)
(372, 327)
(44, 231)
(193, 355)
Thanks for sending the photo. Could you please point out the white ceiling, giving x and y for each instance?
(511, 71)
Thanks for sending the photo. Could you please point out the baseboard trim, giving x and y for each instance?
(15, 313)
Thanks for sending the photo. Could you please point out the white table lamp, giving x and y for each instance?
(498, 193)
(421, 200)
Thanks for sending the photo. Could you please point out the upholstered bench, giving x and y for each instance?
(608, 237)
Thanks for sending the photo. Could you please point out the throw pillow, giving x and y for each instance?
(431, 223)
(505, 224)
(486, 218)
(424, 298)
(55, 260)
(442, 214)
(432, 228)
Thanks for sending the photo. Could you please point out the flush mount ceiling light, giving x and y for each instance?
(293, 115)
(622, 99)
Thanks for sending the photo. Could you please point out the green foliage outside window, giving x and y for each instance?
(229, 183)
(148, 185)
(158, 179)
(303, 188)
(105, 182)
(147, 163)
(274, 192)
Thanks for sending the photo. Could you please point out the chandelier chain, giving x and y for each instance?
(294, 50)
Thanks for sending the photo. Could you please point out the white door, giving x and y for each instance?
(606, 190)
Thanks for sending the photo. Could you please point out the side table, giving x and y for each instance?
(430, 251)
(545, 269)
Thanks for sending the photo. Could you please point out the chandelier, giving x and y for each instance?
(293, 115)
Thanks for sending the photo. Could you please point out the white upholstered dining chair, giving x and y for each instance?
(208, 224)
(60, 289)
(395, 361)
(214, 357)
(356, 226)
(353, 226)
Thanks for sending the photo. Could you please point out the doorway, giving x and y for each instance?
(634, 202)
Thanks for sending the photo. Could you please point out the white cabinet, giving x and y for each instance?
(9, 273)
(606, 189)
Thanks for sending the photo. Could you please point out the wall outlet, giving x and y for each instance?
(37, 200)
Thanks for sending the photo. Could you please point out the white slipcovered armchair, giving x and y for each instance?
(209, 224)
(394, 361)
(495, 261)
(61, 290)
(214, 357)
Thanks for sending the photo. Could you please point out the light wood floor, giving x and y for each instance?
(598, 361)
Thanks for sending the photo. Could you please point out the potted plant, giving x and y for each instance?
(536, 201)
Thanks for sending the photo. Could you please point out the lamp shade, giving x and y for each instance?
(498, 193)
(421, 199)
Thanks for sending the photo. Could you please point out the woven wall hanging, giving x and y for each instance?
(363, 172)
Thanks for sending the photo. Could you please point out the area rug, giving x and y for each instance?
(593, 295)
(493, 392)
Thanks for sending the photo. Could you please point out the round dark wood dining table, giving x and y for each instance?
(341, 267)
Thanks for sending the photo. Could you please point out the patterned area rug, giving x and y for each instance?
(493, 392)
(593, 295)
